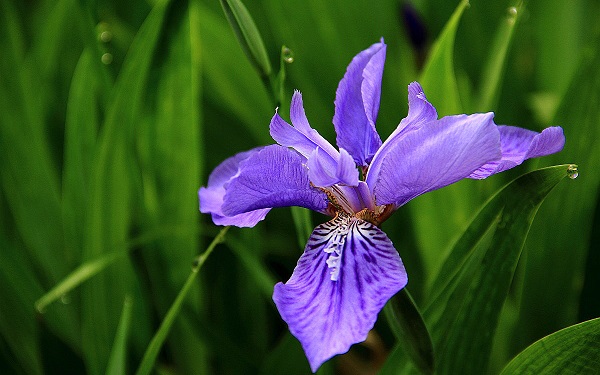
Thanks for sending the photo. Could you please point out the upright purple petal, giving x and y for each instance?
(273, 177)
(357, 104)
(300, 136)
(347, 273)
(211, 197)
(435, 155)
(420, 112)
(518, 144)
(323, 171)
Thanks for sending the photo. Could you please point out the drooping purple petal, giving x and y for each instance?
(347, 273)
(435, 155)
(420, 112)
(273, 177)
(211, 197)
(300, 136)
(518, 144)
(357, 104)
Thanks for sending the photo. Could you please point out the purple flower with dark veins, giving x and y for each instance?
(349, 268)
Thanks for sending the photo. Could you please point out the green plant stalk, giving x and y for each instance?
(160, 336)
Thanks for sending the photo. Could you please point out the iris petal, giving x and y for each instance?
(357, 104)
(518, 144)
(347, 273)
(273, 177)
(211, 197)
(300, 136)
(437, 154)
(420, 112)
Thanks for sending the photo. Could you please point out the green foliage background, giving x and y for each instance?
(112, 115)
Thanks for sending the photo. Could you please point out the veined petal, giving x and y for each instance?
(433, 156)
(300, 136)
(518, 144)
(420, 112)
(211, 197)
(357, 104)
(273, 177)
(347, 273)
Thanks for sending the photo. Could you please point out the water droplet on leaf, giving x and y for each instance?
(105, 36)
(512, 11)
(287, 55)
(106, 58)
(65, 299)
(572, 171)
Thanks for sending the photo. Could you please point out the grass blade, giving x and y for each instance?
(118, 355)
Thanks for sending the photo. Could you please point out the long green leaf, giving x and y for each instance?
(493, 70)
(110, 199)
(484, 261)
(574, 350)
(470, 289)
(118, 354)
(438, 78)
(248, 36)
(171, 158)
(556, 258)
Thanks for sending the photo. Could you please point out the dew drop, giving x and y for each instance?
(65, 299)
(572, 171)
(512, 11)
(105, 36)
(40, 309)
(195, 263)
(107, 58)
(287, 55)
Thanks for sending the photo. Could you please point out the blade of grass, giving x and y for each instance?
(118, 355)
(149, 358)
(494, 67)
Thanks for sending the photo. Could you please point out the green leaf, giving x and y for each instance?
(160, 336)
(473, 283)
(81, 129)
(556, 258)
(242, 94)
(248, 36)
(438, 78)
(573, 350)
(110, 204)
(408, 325)
(494, 67)
(171, 157)
(75, 278)
(118, 355)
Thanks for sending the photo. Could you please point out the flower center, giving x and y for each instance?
(357, 201)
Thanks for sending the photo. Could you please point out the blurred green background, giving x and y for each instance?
(113, 113)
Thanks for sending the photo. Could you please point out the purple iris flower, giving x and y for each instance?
(349, 268)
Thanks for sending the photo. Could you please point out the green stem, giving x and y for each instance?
(160, 336)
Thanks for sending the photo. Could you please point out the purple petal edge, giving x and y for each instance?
(518, 144)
